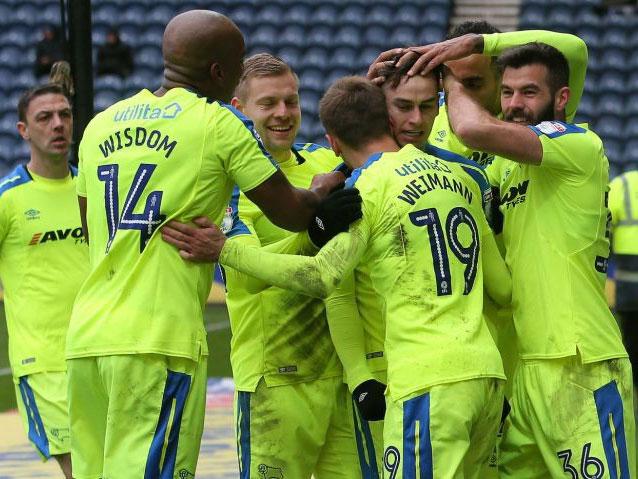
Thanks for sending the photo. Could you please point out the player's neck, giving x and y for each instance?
(357, 158)
(57, 168)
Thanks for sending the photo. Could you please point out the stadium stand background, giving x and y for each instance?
(610, 100)
(323, 41)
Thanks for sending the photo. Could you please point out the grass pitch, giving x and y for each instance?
(217, 325)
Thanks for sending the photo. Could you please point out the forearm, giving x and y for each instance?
(496, 277)
(346, 330)
(294, 244)
(314, 276)
(479, 130)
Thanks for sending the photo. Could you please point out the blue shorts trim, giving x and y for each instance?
(610, 412)
(175, 392)
(365, 446)
(37, 434)
(243, 433)
(417, 411)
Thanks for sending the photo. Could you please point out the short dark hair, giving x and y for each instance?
(261, 65)
(472, 26)
(60, 83)
(354, 110)
(394, 74)
(28, 96)
(538, 54)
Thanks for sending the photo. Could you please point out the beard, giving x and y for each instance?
(531, 118)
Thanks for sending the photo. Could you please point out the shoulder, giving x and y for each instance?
(471, 167)
(19, 176)
(356, 178)
(318, 154)
(559, 129)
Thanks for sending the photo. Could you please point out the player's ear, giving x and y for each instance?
(216, 72)
(561, 98)
(334, 144)
(235, 102)
(23, 130)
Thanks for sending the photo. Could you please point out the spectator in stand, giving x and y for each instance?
(114, 57)
(48, 50)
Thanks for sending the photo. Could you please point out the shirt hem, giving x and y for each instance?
(427, 385)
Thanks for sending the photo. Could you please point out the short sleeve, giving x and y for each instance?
(242, 153)
(567, 148)
(616, 197)
(80, 184)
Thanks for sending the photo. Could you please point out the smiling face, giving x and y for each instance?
(412, 106)
(48, 126)
(272, 103)
(526, 96)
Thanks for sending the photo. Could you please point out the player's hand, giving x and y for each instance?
(325, 183)
(201, 243)
(370, 399)
(386, 58)
(435, 54)
(334, 215)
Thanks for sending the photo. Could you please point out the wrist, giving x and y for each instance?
(478, 43)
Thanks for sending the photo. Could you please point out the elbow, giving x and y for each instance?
(469, 133)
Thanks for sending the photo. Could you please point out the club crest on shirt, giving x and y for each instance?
(227, 222)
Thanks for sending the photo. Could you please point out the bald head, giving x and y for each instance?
(204, 50)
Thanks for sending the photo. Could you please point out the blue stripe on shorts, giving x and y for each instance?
(37, 434)
(610, 410)
(417, 410)
(243, 433)
(175, 391)
(365, 444)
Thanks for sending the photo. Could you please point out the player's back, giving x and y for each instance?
(426, 228)
(143, 161)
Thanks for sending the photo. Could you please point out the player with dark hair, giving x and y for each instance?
(425, 243)
(572, 396)
(136, 347)
(41, 242)
(293, 410)
(469, 54)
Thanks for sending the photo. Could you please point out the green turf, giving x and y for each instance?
(218, 345)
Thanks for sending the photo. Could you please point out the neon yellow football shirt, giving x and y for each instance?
(556, 240)
(427, 242)
(43, 262)
(572, 47)
(143, 161)
(277, 334)
(623, 204)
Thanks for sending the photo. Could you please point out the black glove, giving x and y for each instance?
(334, 215)
(370, 399)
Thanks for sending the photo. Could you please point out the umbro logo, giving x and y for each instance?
(32, 214)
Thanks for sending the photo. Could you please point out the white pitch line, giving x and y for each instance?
(217, 326)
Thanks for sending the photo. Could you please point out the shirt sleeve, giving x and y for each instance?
(346, 331)
(244, 156)
(497, 280)
(568, 149)
(616, 196)
(316, 276)
(80, 182)
(573, 48)
(5, 219)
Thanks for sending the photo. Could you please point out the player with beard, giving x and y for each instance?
(572, 392)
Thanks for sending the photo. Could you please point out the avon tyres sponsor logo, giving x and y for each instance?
(74, 234)
(516, 195)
